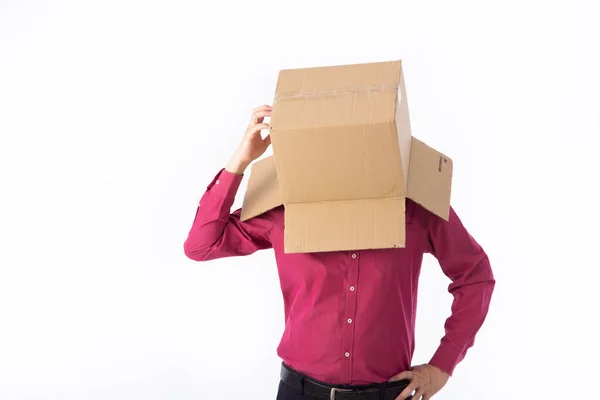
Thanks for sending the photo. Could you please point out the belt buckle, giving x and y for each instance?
(336, 390)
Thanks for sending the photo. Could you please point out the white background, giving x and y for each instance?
(115, 115)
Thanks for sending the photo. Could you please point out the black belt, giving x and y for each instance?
(321, 390)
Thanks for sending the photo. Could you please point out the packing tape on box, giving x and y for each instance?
(336, 91)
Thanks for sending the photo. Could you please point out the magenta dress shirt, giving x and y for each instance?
(350, 315)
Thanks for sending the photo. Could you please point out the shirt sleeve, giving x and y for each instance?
(472, 282)
(217, 232)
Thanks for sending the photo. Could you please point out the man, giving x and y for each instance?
(350, 315)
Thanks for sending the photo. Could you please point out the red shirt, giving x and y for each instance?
(350, 315)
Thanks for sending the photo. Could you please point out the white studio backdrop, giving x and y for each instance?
(115, 115)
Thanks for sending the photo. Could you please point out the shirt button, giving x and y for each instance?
(349, 320)
(352, 288)
(353, 255)
(217, 182)
(347, 354)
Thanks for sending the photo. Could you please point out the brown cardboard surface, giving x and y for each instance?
(430, 178)
(262, 193)
(344, 225)
(345, 160)
(338, 163)
(403, 127)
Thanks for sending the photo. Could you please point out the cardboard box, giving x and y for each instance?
(344, 160)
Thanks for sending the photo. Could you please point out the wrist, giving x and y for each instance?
(236, 166)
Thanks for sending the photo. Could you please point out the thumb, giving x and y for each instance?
(402, 375)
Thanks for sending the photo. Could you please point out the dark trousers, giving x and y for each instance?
(286, 392)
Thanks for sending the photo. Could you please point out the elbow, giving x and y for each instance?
(487, 270)
(477, 272)
(196, 253)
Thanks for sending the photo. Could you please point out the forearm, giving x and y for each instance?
(206, 234)
(467, 265)
(472, 295)
(216, 231)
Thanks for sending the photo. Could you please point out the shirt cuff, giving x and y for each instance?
(446, 358)
(225, 184)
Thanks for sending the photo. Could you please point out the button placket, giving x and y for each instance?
(349, 315)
